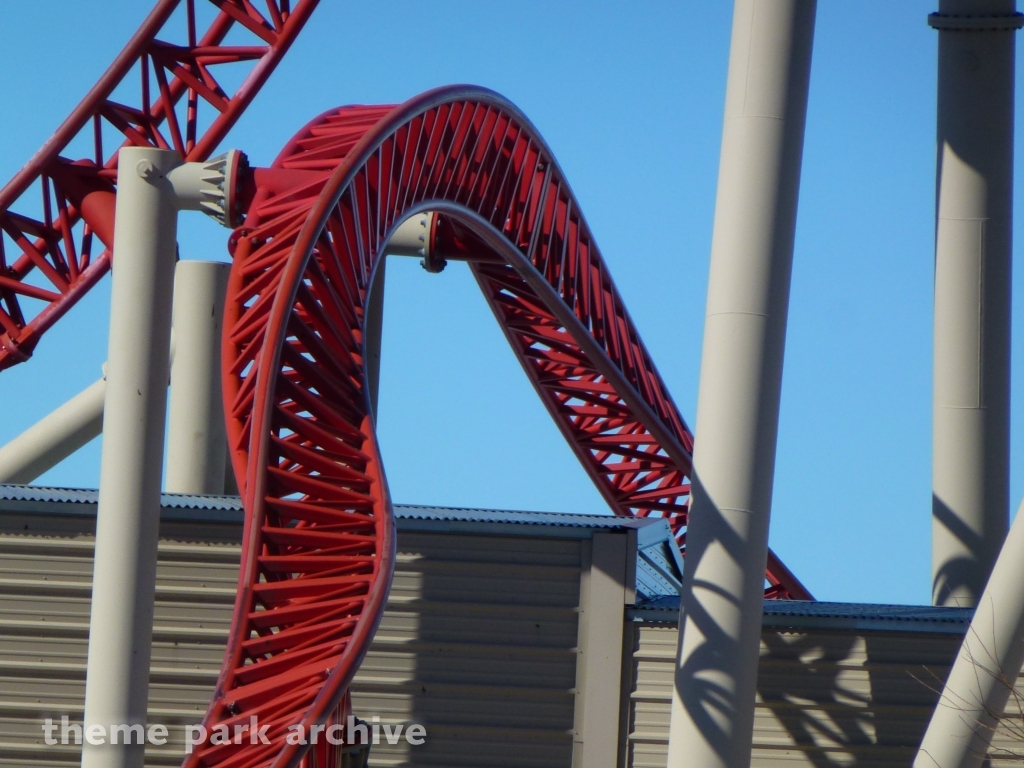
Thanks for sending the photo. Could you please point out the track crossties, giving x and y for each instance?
(319, 543)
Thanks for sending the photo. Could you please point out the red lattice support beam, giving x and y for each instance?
(318, 550)
(167, 78)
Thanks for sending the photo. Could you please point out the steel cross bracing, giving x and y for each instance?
(48, 255)
(318, 549)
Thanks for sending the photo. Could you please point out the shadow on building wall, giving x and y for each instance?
(851, 699)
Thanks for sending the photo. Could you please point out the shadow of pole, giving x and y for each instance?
(720, 618)
(960, 579)
(809, 698)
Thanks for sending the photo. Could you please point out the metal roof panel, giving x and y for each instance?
(797, 614)
(183, 507)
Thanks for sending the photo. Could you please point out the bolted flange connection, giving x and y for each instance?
(210, 186)
(415, 237)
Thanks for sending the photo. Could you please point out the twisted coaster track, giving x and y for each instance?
(168, 72)
(318, 550)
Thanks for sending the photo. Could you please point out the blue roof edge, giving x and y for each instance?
(804, 614)
(664, 609)
(32, 499)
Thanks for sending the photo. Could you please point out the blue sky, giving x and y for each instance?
(630, 98)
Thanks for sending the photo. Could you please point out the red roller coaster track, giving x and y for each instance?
(318, 547)
(319, 542)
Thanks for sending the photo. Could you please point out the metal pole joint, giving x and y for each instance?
(1003, 22)
(210, 187)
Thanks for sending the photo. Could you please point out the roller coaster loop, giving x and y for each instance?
(303, 311)
(318, 548)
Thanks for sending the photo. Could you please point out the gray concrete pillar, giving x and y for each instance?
(127, 524)
(971, 398)
(196, 440)
(986, 668)
(152, 186)
(740, 383)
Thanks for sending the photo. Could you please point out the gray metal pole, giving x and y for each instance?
(54, 437)
(740, 383)
(152, 186)
(985, 670)
(196, 440)
(57, 435)
(971, 400)
(124, 575)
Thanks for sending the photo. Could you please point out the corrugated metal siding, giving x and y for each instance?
(824, 697)
(45, 587)
(478, 642)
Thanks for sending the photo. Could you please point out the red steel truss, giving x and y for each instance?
(319, 540)
(318, 549)
(166, 78)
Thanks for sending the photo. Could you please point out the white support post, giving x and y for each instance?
(973, 240)
(712, 715)
(127, 524)
(57, 435)
(153, 185)
(196, 441)
(54, 437)
(986, 668)
(412, 238)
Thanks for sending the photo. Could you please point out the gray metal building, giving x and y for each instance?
(517, 639)
(503, 633)
(838, 684)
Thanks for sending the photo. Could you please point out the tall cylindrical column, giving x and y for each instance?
(197, 441)
(985, 670)
(971, 398)
(127, 525)
(740, 383)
